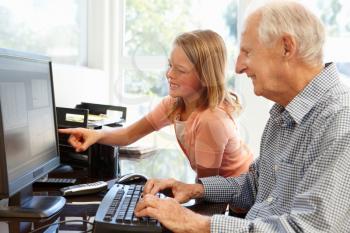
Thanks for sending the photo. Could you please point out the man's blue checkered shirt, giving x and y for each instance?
(301, 180)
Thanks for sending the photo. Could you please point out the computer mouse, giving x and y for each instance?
(190, 203)
(132, 178)
(62, 169)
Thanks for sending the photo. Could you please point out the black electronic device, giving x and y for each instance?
(56, 182)
(63, 169)
(101, 161)
(28, 136)
(131, 178)
(84, 189)
(116, 212)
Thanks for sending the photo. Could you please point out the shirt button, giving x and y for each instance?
(276, 168)
(269, 199)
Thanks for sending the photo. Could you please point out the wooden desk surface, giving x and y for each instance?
(162, 164)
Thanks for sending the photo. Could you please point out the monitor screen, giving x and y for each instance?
(28, 148)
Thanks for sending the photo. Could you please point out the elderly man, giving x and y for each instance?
(301, 180)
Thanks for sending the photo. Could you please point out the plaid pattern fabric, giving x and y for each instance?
(301, 181)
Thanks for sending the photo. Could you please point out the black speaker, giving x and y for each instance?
(103, 162)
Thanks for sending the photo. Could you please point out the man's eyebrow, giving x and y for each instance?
(244, 49)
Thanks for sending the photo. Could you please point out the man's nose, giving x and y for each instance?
(240, 65)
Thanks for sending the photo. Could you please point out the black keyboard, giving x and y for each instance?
(116, 212)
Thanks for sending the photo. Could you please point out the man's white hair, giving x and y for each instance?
(287, 17)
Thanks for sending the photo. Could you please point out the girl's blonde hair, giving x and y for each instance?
(207, 52)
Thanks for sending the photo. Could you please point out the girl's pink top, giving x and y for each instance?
(210, 138)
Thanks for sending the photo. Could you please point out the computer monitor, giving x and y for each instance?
(28, 135)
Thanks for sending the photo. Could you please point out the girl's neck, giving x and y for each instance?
(190, 106)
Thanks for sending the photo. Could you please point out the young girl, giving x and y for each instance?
(198, 105)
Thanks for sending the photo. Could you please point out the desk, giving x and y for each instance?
(162, 164)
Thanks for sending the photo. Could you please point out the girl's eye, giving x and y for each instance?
(180, 71)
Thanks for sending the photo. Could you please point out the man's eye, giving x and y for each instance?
(246, 52)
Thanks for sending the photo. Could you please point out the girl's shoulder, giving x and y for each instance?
(216, 119)
(218, 112)
(168, 101)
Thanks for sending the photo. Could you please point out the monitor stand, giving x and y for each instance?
(25, 205)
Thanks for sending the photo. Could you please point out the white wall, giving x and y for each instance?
(75, 84)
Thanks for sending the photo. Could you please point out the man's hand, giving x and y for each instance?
(172, 215)
(181, 192)
(81, 138)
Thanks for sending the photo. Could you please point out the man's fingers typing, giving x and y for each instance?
(148, 201)
(148, 186)
(151, 187)
(154, 186)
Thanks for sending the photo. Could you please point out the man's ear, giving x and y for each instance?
(289, 46)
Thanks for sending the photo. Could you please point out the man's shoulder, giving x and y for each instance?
(338, 98)
(342, 92)
(334, 107)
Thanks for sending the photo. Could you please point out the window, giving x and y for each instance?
(149, 30)
(334, 15)
(56, 28)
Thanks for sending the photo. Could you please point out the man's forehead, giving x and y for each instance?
(252, 21)
(250, 28)
(249, 34)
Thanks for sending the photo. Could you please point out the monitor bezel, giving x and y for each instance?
(9, 188)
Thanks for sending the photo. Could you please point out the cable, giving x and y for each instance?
(60, 222)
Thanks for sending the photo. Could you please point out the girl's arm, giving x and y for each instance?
(126, 135)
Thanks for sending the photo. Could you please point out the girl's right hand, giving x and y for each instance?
(81, 138)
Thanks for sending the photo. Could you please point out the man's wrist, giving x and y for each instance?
(196, 222)
(203, 224)
(197, 191)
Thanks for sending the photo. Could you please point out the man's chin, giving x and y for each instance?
(257, 92)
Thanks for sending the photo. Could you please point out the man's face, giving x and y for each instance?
(260, 63)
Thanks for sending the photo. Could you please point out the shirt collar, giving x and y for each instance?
(307, 98)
